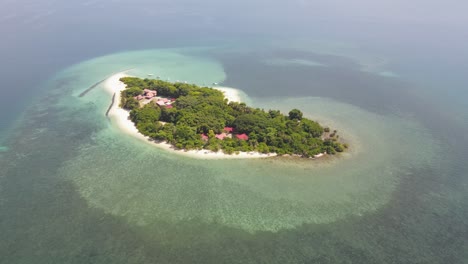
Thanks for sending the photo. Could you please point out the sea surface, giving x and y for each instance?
(76, 189)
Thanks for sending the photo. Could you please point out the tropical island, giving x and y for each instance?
(190, 117)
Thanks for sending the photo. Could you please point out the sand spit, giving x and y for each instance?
(229, 93)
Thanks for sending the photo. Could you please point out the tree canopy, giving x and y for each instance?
(295, 114)
(199, 115)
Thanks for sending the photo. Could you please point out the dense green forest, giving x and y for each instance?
(197, 117)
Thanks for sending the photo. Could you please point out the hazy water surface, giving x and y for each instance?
(75, 189)
(93, 189)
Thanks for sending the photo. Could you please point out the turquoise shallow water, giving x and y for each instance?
(145, 184)
(103, 196)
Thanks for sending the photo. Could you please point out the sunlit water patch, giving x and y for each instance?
(303, 62)
(127, 177)
(364, 61)
(389, 74)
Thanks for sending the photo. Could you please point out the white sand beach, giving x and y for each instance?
(229, 93)
(120, 116)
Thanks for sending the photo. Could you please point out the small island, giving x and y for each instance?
(190, 117)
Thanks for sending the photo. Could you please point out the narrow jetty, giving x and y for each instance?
(91, 87)
(110, 106)
(98, 83)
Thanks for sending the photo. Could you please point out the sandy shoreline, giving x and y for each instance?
(229, 93)
(119, 116)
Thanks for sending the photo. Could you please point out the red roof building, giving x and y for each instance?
(147, 91)
(242, 137)
(228, 129)
(204, 137)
